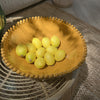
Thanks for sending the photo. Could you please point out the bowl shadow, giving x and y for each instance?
(83, 74)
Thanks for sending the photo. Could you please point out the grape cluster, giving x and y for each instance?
(43, 52)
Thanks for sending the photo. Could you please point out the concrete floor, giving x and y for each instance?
(86, 10)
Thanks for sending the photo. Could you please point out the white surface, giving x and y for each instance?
(86, 10)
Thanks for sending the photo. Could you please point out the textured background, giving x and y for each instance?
(88, 84)
(86, 10)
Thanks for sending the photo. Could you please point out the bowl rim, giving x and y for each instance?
(29, 75)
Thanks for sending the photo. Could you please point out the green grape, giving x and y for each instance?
(31, 47)
(52, 50)
(30, 57)
(49, 58)
(46, 42)
(21, 50)
(40, 52)
(55, 41)
(40, 63)
(36, 42)
(60, 55)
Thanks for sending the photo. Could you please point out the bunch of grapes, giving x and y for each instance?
(41, 53)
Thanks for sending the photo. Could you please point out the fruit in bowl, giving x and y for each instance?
(31, 47)
(21, 50)
(30, 57)
(42, 56)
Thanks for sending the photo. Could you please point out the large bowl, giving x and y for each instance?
(71, 41)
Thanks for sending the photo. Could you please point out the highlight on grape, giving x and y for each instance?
(41, 52)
